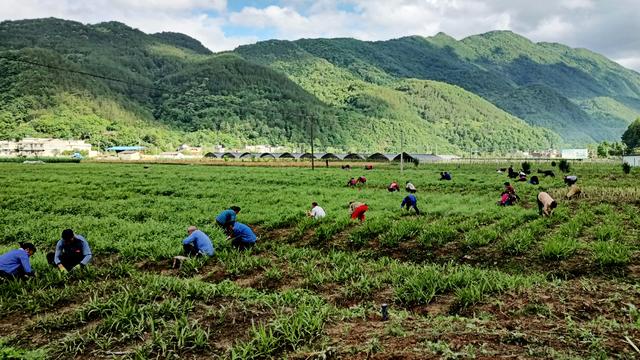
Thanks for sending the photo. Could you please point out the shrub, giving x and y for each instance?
(626, 168)
(564, 166)
(553, 164)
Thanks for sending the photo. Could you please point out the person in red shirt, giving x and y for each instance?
(357, 210)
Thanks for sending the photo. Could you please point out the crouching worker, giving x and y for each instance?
(316, 211)
(546, 204)
(197, 243)
(71, 250)
(445, 176)
(410, 187)
(393, 187)
(357, 210)
(15, 263)
(227, 218)
(242, 237)
(410, 201)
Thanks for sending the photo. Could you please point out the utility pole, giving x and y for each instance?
(401, 150)
(313, 167)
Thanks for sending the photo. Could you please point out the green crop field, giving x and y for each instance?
(466, 279)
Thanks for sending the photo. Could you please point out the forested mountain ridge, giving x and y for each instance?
(579, 94)
(175, 90)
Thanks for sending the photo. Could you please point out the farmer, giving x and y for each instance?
(227, 218)
(362, 180)
(410, 201)
(15, 264)
(357, 210)
(570, 179)
(242, 236)
(522, 176)
(197, 243)
(352, 182)
(546, 204)
(574, 190)
(508, 196)
(509, 189)
(445, 176)
(534, 180)
(393, 187)
(511, 174)
(71, 250)
(410, 187)
(316, 211)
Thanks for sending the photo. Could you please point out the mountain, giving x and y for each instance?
(164, 89)
(578, 94)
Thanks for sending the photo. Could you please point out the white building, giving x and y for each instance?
(631, 160)
(575, 154)
(43, 147)
(129, 155)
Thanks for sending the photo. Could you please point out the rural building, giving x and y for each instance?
(633, 160)
(171, 156)
(576, 154)
(196, 150)
(43, 147)
(119, 149)
(129, 155)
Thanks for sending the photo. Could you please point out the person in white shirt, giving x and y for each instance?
(316, 211)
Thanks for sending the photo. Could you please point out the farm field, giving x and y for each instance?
(466, 279)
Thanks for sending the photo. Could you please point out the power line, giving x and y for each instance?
(34, 63)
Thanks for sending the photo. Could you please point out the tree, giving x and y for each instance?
(631, 137)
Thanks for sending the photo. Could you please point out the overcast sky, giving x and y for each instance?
(610, 27)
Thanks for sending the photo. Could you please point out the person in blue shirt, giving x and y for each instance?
(15, 263)
(242, 236)
(227, 218)
(410, 201)
(197, 243)
(71, 250)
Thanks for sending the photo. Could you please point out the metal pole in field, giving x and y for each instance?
(313, 167)
(401, 150)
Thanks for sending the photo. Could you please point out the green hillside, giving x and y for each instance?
(360, 96)
(581, 95)
(176, 91)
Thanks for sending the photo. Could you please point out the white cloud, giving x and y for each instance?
(607, 27)
(190, 17)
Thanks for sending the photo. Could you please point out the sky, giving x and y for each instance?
(609, 27)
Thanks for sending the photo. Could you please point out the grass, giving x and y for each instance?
(306, 278)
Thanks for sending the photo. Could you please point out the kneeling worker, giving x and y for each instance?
(242, 236)
(227, 218)
(71, 250)
(410, 201)
(15, 263)
(546, 204)
(197, 243)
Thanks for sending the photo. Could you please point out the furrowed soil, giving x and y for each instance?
(465, 279)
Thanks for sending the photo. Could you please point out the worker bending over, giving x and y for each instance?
(546, 204)
(410, 201)
(227, 218)
(71, 250)
(242, 237)
(357, 210)
(410, 187)
(197, 243)
(15, 264)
